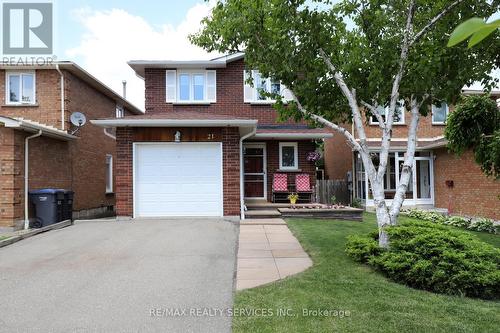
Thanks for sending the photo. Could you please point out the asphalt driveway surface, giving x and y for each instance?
(107, 276)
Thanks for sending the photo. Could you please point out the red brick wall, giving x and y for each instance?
(124, 172)
(88, 153)
(338, 156)
(48, 98)
(78, 165)
(230, 165)
(473, 193)
(229, 96)
(231, 170)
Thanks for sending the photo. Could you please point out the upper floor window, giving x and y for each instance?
(254, 93)
(20, 88)
(193, 86)
(399, 116)
(120, 113)
(439, 113)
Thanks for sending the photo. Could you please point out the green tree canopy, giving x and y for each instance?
(475, 125)
(363, 40)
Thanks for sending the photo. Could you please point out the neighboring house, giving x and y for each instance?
(36, 102)
(202, 121)
(440, 179)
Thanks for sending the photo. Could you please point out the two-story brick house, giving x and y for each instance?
(36, 103)
(440, 179)
(203, 121)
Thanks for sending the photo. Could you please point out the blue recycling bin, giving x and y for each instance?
(48, 204)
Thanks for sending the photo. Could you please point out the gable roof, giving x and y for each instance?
(85, 76)
(139, 66)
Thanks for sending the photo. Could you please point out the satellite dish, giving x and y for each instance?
(78, 119)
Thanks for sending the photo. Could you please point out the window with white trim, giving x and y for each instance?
(399, 115)
(254, 93)
(440, 113)
(109, 173)
(120, 113)
(288, 154)
(20, 88)
(191, 86)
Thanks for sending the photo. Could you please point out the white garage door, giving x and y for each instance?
(178, 179)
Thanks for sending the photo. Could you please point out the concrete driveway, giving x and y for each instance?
(108, 276)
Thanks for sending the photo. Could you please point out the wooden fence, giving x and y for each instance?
(326, 189)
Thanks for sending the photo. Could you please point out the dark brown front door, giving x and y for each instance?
(255, 170)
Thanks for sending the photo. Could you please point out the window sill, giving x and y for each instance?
(438, 124)
(289, 170)
(191, 103)
(110, 193)
(27, 105)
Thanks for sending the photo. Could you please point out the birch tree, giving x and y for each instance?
(343, 61)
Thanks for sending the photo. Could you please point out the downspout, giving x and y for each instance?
(26, 176)
(109, 134)
(63, 119)
(242, 168)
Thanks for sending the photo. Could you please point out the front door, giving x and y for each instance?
(254, 156)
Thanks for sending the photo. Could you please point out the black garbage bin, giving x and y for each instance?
(67, 206)
(48, 206)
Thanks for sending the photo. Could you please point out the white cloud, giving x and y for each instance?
(115, 36)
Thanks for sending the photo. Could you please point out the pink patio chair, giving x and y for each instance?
(280, 184)
(303, 185)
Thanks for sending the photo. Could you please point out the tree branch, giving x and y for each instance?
(373, 110)
(350, 138)
(356, 115)
(434, 20)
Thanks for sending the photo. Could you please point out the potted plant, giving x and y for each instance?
(293, 197)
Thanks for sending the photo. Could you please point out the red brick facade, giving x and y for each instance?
(230, 171)
(473, 194)
(79, 165)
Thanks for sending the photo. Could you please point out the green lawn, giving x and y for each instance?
(375, 304)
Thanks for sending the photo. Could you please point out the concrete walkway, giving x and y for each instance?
(268, 253)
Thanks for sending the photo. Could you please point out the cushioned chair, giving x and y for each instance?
(280, 185)
(303, 186)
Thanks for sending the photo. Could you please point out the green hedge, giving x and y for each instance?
(434, 258)
(484, 225)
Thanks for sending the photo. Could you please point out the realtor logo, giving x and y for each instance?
(27, 28)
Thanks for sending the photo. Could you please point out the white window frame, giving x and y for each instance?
(445, 117)
(7, 87)
(109, 168)
(191, 99)
(120, 112)
(255, 93)
(296, 155)
(386, 110)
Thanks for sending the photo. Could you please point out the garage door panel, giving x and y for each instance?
(178, 179)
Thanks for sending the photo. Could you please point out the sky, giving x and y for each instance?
(102, 35)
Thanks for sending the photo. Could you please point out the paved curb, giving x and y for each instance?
(33, 232)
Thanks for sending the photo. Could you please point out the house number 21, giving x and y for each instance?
(210, 136)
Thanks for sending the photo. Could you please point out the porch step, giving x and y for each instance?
(261, 221)
(265, 205)
(262, 213)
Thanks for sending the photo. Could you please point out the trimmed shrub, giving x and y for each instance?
(485, 225)
(458, 222)
(434, 258)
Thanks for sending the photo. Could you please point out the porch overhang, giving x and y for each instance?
(180, 119)
(35, 127)
(398, 144)
(292, 134)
